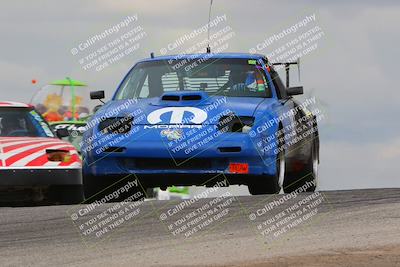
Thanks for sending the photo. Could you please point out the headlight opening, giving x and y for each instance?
(116, 125)
(235, 124)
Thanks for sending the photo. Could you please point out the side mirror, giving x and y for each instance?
(62, 132)
(96, 108)
(97, 95)
(298, 90)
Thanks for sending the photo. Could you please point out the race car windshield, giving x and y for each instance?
(228, 77)
(22, 122)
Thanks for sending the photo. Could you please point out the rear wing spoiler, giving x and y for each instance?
(287, 68)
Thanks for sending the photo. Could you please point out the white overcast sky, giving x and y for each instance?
(353, 72)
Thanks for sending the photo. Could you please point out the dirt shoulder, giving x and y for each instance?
(378, 256)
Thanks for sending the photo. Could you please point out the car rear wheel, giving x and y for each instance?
(306, 178)
(150, 193)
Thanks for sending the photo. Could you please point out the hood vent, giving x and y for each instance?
(183, 96)
(170, 98)
(191, 97)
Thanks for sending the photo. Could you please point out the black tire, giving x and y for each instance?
(270, 184)
(66, 194)
(309, 174)
(98, 187)
(94, 188)
(150, 193)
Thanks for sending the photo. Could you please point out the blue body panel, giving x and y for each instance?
(153, 141)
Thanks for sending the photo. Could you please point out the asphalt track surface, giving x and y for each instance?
(339, 228)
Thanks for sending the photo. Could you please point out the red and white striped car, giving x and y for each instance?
(35, 165)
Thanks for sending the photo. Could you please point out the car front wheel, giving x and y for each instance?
(270, 184)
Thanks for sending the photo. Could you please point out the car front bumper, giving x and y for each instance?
(147, 152)
(40, 177)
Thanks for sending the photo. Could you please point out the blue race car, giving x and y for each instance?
(201, 118)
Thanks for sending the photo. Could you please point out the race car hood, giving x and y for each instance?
(181, 107)
(32, 153)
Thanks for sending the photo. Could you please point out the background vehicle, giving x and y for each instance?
(64, 104)
(195, 119)
(75, 131)
(63, 100)
(35, 164)
(172, 192)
